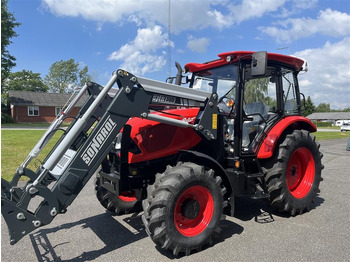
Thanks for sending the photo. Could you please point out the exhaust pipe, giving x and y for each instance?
(179, 74)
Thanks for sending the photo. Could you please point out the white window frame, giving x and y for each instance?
(32, 109)
(59, 110)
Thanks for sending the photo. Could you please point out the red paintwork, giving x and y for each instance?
(128, 196)
(157, 140)
(300, 172)
(290, 60)
(193, 227)
(269, 143)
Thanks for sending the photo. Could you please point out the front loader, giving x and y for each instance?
(183, 154)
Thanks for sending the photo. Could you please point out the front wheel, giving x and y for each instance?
(125, 203)
(184, 207)
(293, 174)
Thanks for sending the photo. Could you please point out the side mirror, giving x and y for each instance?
(259, 63)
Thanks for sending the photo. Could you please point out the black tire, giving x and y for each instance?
(173, 217)
(123, 204)
(293, 174)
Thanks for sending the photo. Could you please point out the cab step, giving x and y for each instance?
(255, 175)
(260, 195)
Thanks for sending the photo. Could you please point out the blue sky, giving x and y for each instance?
(109, 34)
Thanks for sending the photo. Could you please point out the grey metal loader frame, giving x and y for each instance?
(79, 152)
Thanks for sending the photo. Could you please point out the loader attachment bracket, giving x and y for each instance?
(20, 222)
(15, 205)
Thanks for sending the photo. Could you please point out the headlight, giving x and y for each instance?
(118, 143)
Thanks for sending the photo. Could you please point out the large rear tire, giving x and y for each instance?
(184, 208)
(125, 203)
(293, 174)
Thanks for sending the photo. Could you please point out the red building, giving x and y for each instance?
(35, 107)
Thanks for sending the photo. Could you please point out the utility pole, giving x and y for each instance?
(169, 39)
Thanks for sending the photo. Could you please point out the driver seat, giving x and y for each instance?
(257, 125)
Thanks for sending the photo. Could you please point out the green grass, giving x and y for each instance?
(330, 135)
(31, 125)
(15, 147)
(330, 127)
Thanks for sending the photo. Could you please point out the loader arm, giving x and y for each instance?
(78, 153)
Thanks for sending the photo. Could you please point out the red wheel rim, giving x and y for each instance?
(128, 196)
(203, 199)
(300, 172)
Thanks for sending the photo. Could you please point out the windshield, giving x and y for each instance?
(219, 80)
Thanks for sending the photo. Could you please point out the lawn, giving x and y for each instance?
(32, 125)
(15, 147)
(331, 135)
(330, 127)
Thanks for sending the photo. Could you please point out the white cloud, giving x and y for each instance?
(185, 15)
(139, 56)
(329, 22)
(101, 10)
(198, 45)
(328, 78)
(295, 7)
(249, 9)
(304, 4)
(135, 19)
(99, 26)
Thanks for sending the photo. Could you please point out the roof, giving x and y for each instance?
(25, 98)
(236, 55)
(330, 116)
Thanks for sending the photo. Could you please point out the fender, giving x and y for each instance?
(268, 145)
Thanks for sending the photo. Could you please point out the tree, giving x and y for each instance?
(8, 23)
(256, 90)
(64, 76)
(309, 107)
(25, 81)
(323, 107)
(84, 77)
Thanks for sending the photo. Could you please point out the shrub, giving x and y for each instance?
(6, 119)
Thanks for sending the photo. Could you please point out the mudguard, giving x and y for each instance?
(298, 122)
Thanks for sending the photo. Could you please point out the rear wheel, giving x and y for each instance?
(125, 203)
(293, 174)
(184, 208)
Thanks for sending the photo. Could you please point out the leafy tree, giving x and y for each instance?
(323, 107)
(25, 81)
(84, 77)
(8, 23)
(64, 76)
(256, 90)
(309, 107)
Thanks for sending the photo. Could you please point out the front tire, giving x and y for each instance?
(293, 174)
(125, 203)
(184, 208)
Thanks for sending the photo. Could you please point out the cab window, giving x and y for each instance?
(218, 80)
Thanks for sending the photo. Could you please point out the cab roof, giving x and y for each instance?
(290, 61)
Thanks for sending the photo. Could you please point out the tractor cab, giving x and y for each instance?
(255, 90)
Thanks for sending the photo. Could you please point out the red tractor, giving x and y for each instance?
(183, 154)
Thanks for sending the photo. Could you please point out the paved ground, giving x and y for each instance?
(86, 232)
(327, 130)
